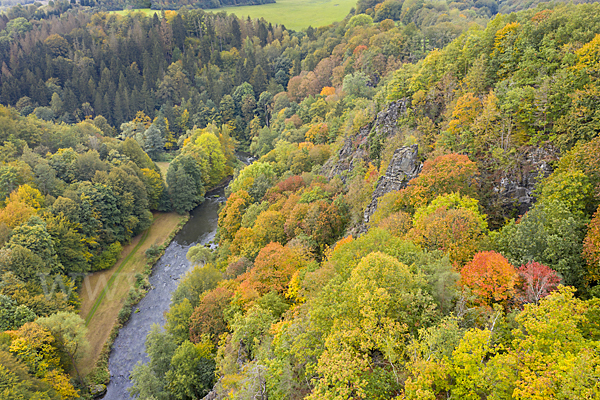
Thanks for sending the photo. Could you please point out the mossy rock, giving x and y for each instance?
(98, 390)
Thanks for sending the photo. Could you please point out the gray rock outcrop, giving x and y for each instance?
(404, 166)
(98, 391)
(352, 153)
(513, 190)
(386, 123)
(356, 148)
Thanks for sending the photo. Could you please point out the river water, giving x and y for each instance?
(129, 347)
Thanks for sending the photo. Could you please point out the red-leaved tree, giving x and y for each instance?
(291, 184)
(538, 281)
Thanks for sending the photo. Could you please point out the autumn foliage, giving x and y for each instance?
(291, 184)
(537, 281)
(490, 277)
(591, 247)
(327, 91)
(451, 223)
(273, 269)
(451, 173)
(207, 318)
(230, 218)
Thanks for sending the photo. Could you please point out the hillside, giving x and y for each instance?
(433, 164)
(421, 221)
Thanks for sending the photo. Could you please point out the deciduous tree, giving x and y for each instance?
(591, 247)
(452, 173)
(451, 223)
(549, 234)
(208, 318)
(192, 371)
(538, 281)
(490, 277)
(69, 331)
(273, 268)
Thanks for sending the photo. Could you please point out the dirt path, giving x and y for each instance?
(103, 293)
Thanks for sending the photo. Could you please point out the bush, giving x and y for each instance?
(152, 251)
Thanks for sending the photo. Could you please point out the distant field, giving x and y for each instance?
(294, 14)
(297, 14)
(146, 11)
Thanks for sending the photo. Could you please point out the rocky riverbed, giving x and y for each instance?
(128, 348)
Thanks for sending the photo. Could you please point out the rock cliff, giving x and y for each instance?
(404, 166)
(353, 152)
(511, 192)
(359, 148)
(504, 193)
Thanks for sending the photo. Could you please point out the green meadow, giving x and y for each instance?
(146, 11)
(294, 14)
(297, 14)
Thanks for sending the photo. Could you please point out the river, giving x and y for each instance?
(129, 347)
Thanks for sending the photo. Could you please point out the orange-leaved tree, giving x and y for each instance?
(450, 173)
(591, 248)
(490, 277)
(273, 268)
(208, 318)
(327, 91)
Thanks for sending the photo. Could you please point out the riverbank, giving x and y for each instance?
(128, 347)
(104, 293)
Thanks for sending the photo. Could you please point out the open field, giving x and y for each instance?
(297, 14)
(103, 293)
(163, 166)
(146, 11)
(294, 14)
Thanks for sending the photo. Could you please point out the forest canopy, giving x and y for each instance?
(422, 211)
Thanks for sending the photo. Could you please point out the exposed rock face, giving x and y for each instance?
(352, 153)
(98, 391)
(213, 395)
(505, 193)
(386, 121)
(356, 148)
(403, 167)
(513, 189)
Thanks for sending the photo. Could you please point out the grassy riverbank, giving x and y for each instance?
(104, 293)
